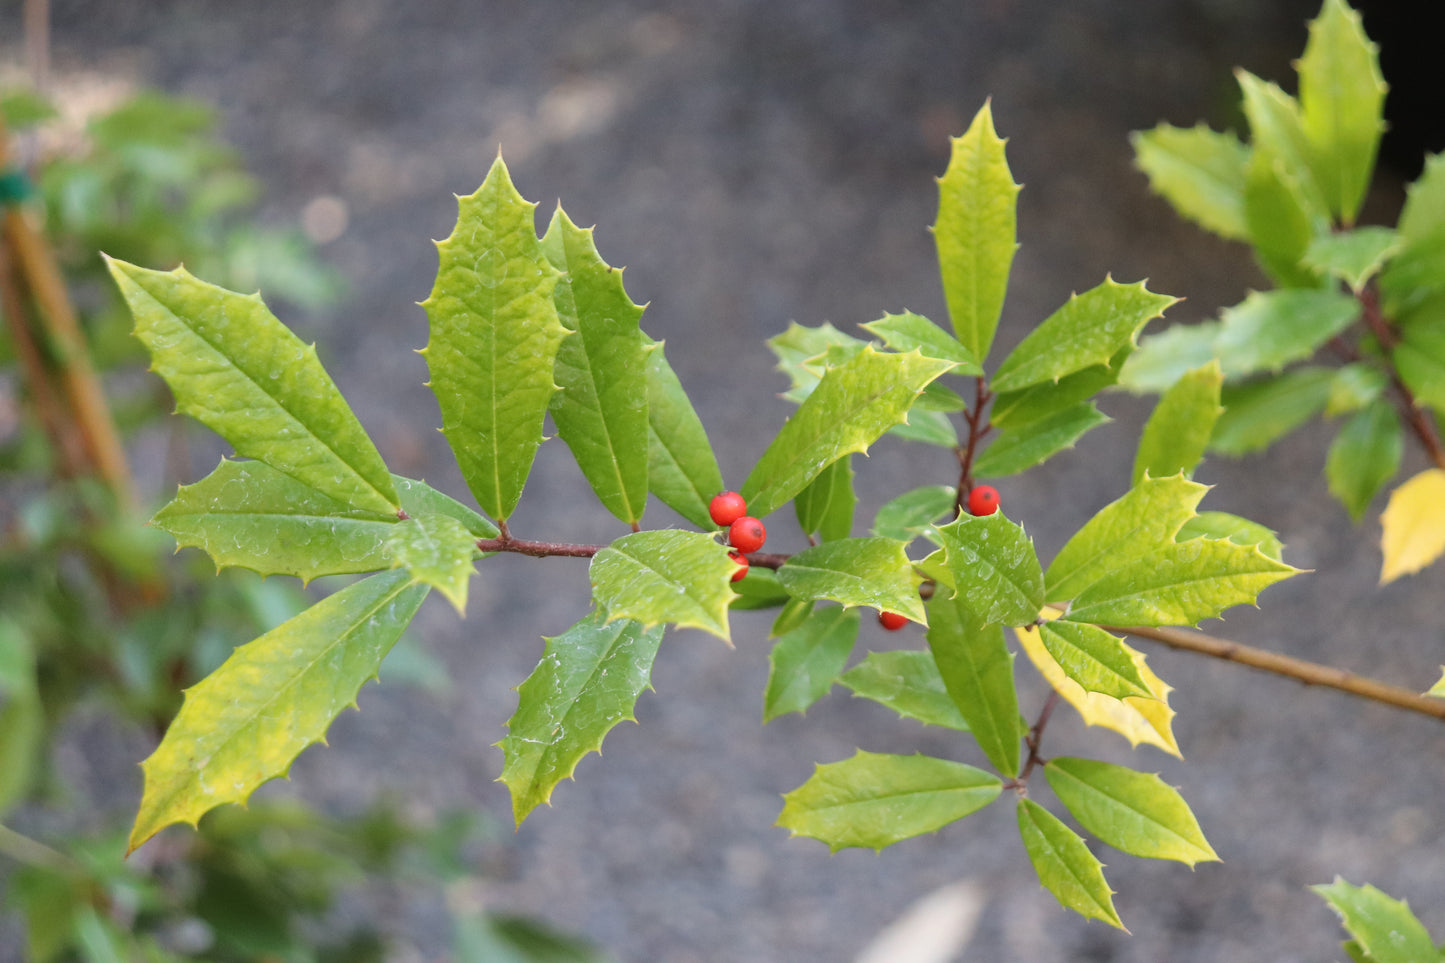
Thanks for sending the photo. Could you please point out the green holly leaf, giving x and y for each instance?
(588, 680)
(977, 671)
(759, 589)
(419, 498)
(246, 722)
(438, 551)
(1270, 329)
(1135, 812)
(1018, 449)
(1353, 387)
(800, 351)
(908, 332)
(1420, 359)
(1097, 660)
(1200, 172)
(1179, 583)
(1162, 359)
(874, 800)
(805, 661)
(1064, 864)
(995, 573)
(1384, 927)
(682, 578)
(1240, 531)
(1177, 433)
(852, 405)
(976, 232)
(1088, 330)
(1259, 412)
(856, 571)
(1015, 409)
(1277, 134)
(908, 515)
(927, 427)
(681, 467)
(1129, 527)
(1282, 221)
(494, 340)
(825, 507)
(235, 368)
(601, 409)
(1342, 100)
(909, 683)
(1354, 256)
(1364, 456)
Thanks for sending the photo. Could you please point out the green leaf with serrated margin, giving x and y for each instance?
(906, 516)
(1200, 172)
(1277, 133)
(1065, 866)
(856, 571)
(874, 800)
(805, 661)
(1384, 927)
(588, 680)
(601, 407)
(1135, 812)
(825, 507)
(759, 589)
(978, 672)
(1164, 358)
(682, 578)
(1342, 100)
(1177, 433)
(243, 724)
(1281, 221)
(1097, 660)
(1419, 358)
(1180, 583)
(1240, 531)
(1354, 386)
(1414, 280)
(1364, 456)
(681, 467)
(438, 551)
(1259, 412)
(1014, 409)
(235, 368)
(908, 331)
(494, 340)
(853, 404)
(976, 232)
(419, 498)
(996, 574)
(1019, 449)
(1269, 329)
(1130, 526)
(799, 351)
(1088, 330)
(1354, 256)
(908, 682)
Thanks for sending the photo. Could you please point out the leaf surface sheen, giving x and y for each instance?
(588, 680)
(666, 575)
(1177, 433)
(601, 409)
(805, 661)
(996, 574)
(437, 550)
(1097, 660)
(977, 671)
(681, 467)
(849, 409)
(856, 571)
(908, 682)
(825, 507)
(1385, 928)
(238, 370)
(906, 516)
(1064, 864)
(245, 723)
(1135, 812)
(873, 800)
(494, 340)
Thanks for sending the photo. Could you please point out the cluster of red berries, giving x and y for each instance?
(982, 500)
(745, 533)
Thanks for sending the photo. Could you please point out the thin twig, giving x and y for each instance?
(1420, 422)
(1310, 673)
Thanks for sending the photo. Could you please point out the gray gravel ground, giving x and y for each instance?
(755, 163)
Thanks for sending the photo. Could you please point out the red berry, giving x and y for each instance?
(747, 534)
(742, 561)
(891, 621)
(983, 500)
(727, 507)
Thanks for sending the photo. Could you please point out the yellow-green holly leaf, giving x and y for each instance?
(1414, 525)
(1135, 812)
(1064, 864)
(667, 575)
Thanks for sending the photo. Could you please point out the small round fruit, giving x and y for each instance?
(983, 500)
(742, 561)
(747, 534)
(726, 508)
(891, 621)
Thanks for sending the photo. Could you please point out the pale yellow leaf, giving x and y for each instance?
(1438, 689)
(1414, 525)
(1137, 719)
